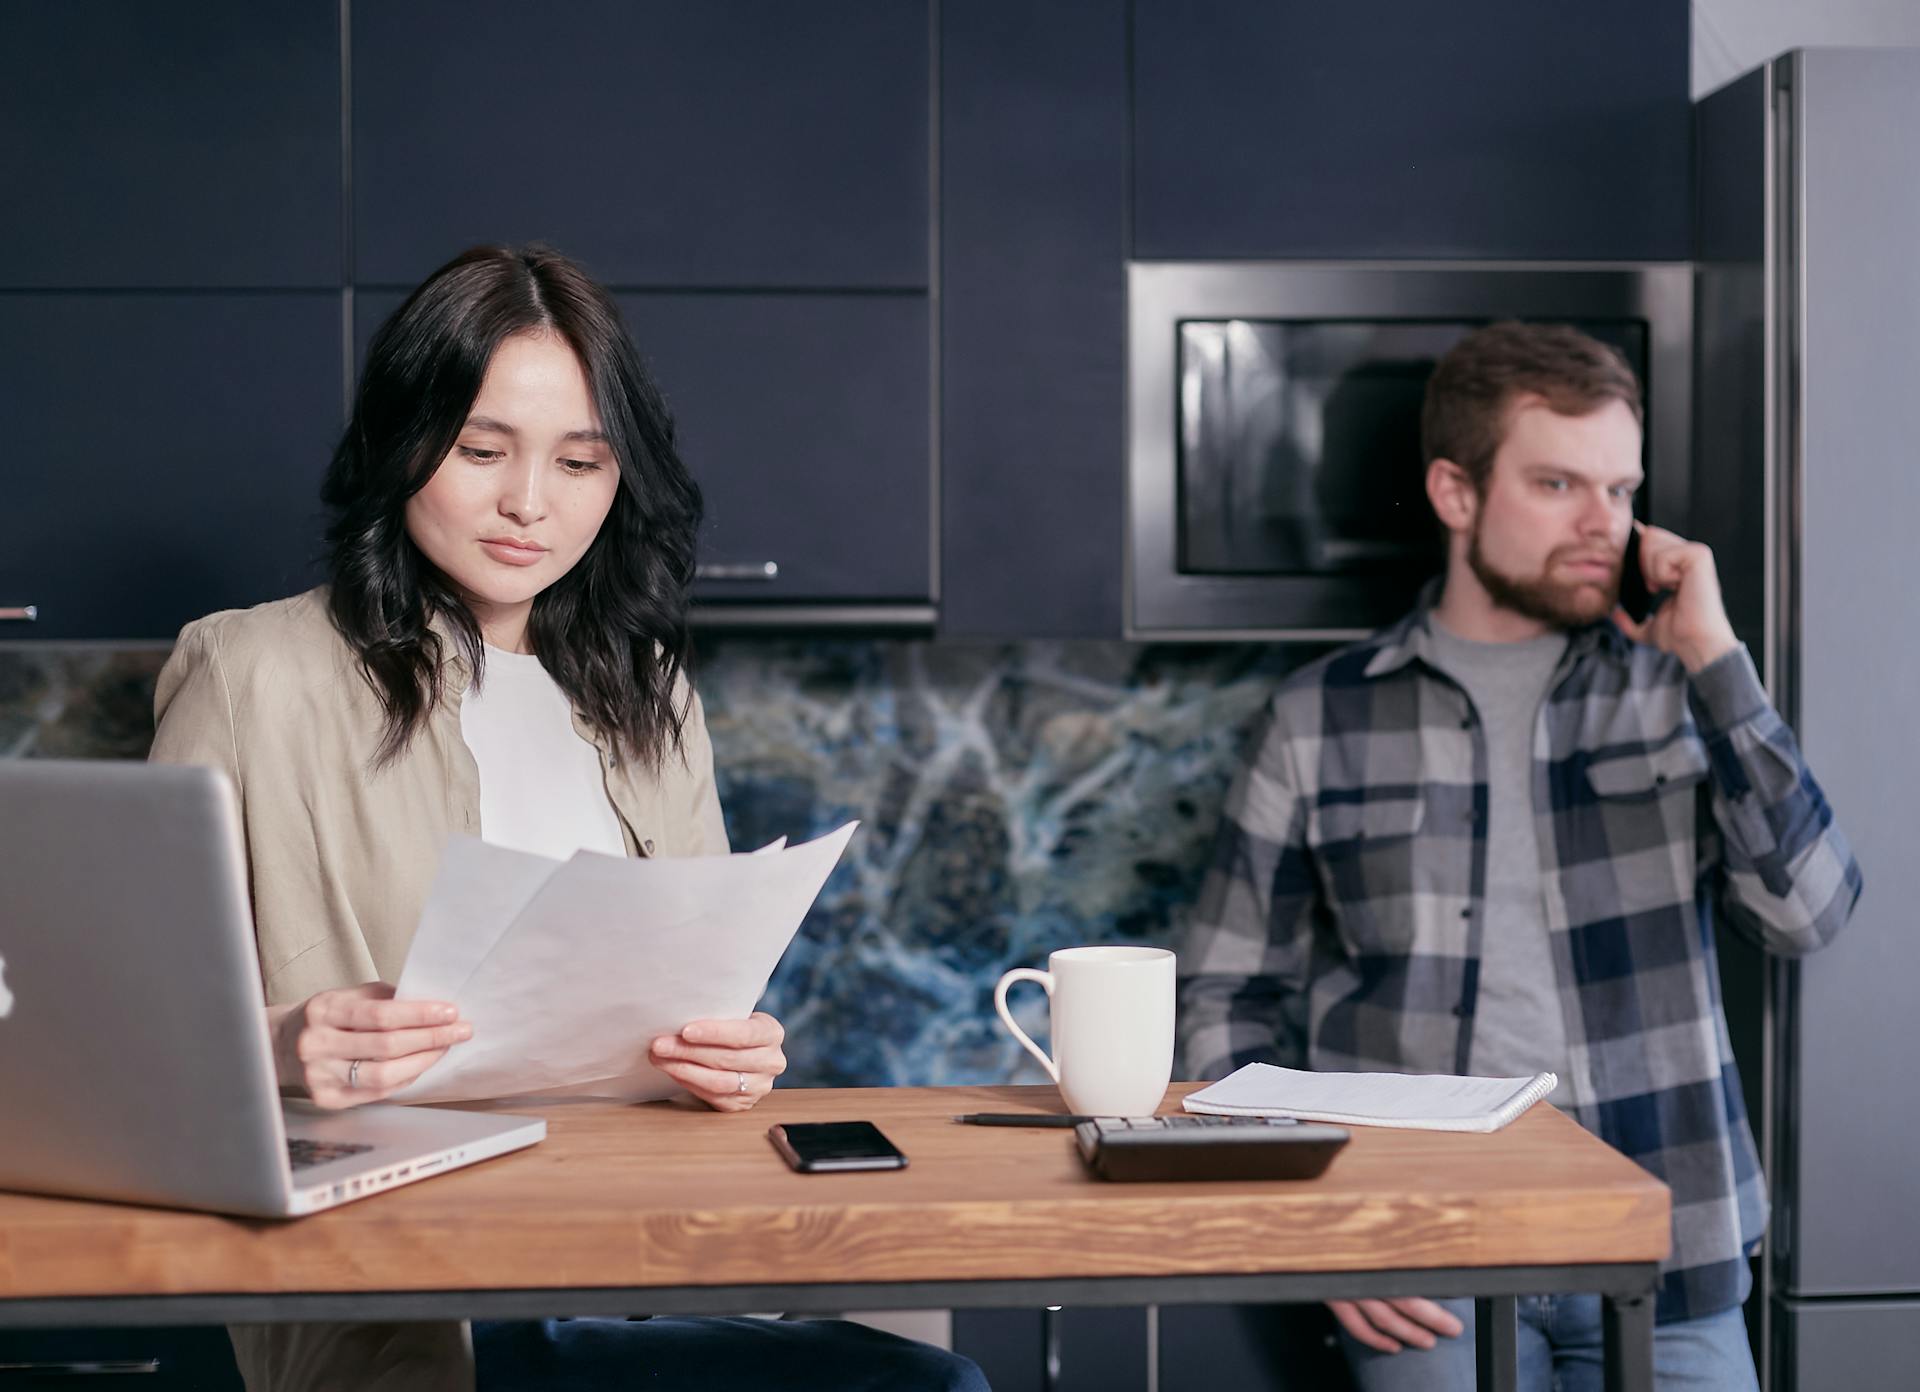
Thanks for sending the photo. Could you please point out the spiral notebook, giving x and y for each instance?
(1415, 1101)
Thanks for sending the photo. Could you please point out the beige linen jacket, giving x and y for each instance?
(341, 856)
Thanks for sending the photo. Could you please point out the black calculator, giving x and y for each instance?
(1194, 1146)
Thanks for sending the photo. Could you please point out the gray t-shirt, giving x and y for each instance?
(1518, 1026)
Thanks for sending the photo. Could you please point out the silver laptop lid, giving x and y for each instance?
(134, 1060)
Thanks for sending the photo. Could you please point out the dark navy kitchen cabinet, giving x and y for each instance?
(1476, 129)
(894, 335)
(196, 1358)
(1075, 1349)
(1250, 1348)
(170, 145)
(805, 419)
(1009, 1346)
(166, 452)
(1176, 1348)
(662, 144)
(1033, 317)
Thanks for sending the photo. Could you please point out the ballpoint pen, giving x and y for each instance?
(1020, 1119)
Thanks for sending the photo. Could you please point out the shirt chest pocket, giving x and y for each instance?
(1644, 816)
(641, 815)
(1367, 854)
(1350, 827)
(1649, 775)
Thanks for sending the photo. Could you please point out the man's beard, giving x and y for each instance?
(1562, 603)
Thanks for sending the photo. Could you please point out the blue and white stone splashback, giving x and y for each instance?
(1013, 799)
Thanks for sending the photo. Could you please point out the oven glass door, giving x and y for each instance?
(1299, 443)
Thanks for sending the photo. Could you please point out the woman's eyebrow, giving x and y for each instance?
(500, 427)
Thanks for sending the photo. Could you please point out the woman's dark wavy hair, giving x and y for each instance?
(612, 631)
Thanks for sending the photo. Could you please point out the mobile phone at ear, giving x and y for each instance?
(817, 1147)
(1636, 599)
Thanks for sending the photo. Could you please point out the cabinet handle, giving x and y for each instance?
(765, 570)
(119, 1367)
(21, 613)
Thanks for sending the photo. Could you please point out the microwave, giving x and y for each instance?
(1275, 485)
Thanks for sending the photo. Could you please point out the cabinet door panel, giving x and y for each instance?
(196, 1358)
(1276, 1348)
(1033, 320)
(662, 143)
(1478, 128)
(171, 452)
(170, 145)
(805, 420)
(1824, 1344)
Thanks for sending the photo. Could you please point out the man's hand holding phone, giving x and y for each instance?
(1691, 622)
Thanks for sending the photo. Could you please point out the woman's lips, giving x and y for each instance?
(510, 553)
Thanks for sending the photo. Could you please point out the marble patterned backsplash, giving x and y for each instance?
(1012, 799)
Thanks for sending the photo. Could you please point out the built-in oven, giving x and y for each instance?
(1275, 482)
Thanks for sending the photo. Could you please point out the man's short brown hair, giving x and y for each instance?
(1475, 383)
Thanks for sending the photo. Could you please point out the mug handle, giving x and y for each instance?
(1000, 1005)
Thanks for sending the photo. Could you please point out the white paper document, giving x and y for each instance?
(568, 970)
(1417, 1101)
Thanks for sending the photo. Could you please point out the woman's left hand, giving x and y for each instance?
(727, 1064)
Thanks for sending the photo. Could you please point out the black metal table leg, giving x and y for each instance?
(1496, 1343)
(1627, 1321)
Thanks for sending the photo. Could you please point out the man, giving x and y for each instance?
(1494, 839)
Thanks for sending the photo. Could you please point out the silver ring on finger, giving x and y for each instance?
(742, 1089)
(353, 1074)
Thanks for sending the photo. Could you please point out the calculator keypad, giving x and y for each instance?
(1198, 1145)
(1185, 1121)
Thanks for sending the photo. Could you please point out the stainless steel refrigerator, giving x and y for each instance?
(1807, 485)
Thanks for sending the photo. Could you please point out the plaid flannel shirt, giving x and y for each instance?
(1343, 909)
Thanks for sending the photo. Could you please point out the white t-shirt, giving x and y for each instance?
(541, 786)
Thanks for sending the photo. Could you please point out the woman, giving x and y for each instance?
(500, 651)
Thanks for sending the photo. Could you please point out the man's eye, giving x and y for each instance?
(483, 456)
(1623, 491)
(1554, 485)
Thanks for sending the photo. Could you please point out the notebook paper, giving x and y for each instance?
(1417, 1101)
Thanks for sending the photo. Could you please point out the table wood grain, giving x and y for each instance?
(669, 1194)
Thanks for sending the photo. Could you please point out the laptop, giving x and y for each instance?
(134, 1058)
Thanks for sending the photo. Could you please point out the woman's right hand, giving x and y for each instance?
(317, 1042)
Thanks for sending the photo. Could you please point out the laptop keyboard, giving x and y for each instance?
(305, 1154)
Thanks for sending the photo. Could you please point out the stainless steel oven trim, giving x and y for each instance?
(1159, 602)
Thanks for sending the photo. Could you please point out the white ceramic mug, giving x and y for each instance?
(1112, 1010)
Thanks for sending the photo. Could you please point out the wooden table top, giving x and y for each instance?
(670, 1194)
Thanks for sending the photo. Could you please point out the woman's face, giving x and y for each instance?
(522, 495)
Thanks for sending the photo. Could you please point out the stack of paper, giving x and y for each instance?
(1417, 1101)
(568, 970)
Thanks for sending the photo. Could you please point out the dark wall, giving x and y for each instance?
(876, 249)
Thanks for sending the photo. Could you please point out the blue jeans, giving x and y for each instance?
(1560, 1351)
(709, 1355)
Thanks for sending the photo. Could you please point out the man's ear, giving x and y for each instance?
(1454, 498)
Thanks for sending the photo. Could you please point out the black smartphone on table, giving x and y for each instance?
(815, 1147)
